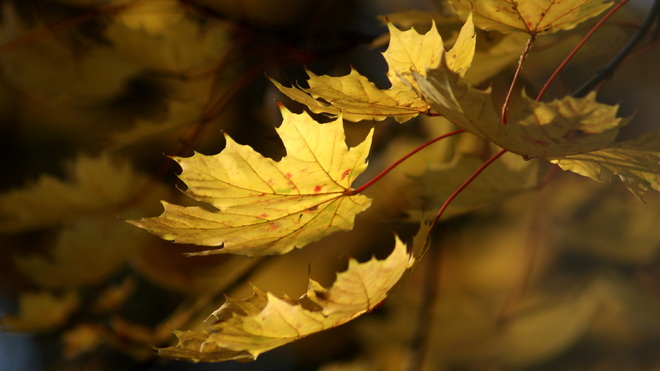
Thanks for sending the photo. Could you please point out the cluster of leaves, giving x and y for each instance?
(243, 203)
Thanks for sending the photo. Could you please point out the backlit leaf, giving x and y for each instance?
(542, 129)
(245, 329)
(357, 98)
(576, 133)
(266, 206)
(635, 162)
(534, 17)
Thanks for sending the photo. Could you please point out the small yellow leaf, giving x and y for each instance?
(408, 53)
(265, 206)
(534, 17)
(245, 329)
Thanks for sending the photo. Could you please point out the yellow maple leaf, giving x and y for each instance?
(576, 133)
(247, 328)
(357, 98)
(266, 206)
(562, 127)
(636, 162)
(534, 17)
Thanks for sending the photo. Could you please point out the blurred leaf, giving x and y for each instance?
(507, 177)
(41, 311)
(114, 296)
(493, 55)
(605, 223)
(162, 36)
(52, 70)
(81, 339)
(94, 184)
(179, 115)
(86, 252)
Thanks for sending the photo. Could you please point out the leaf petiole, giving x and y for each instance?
(523, 56)
(351, 192)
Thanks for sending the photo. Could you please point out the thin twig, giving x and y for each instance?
(608, 71)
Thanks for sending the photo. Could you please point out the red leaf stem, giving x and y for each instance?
(351, 192)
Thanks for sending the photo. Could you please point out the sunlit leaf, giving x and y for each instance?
(266, 206)
(357, 98)
(245, 329)
(577, 133)
(635, 162)
(541, 129)
(534, 17)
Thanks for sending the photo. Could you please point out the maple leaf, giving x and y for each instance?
(245, 329)
(636, 162)
(534, 17)
(266, 206)
(576, 133)
(79, 257)
(356, 98)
